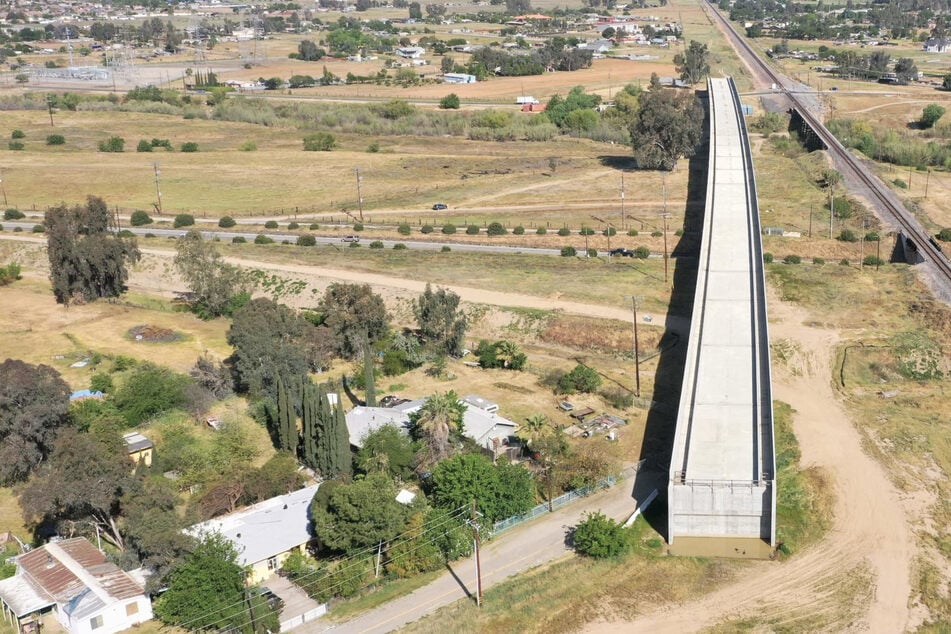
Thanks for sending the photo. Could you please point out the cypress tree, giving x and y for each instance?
(341, 439)
(325, 457)
(310, 424)
(368, 377)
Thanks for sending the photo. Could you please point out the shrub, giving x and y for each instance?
(143, 146)
(39, 229)
(17, 229)
(55, 139)
(768, 257)
(426, 229)
(306, 240)
(872, 260)
(632, 233)
(17, 134)
(148, 391)
(124, 233)
(358, 226)
(872, 236)
(140, 218)
(263, 239)
(404, 229)
(376, 244)
(679, 232)
(13, 214)
(292, 226)
(472, 230)
(610, 231)
(226, 222)
(930, 115)
(449, 102)
(449, 229)
(16, 146)
(580, 379)
(569, 252)
(519, 230)
(112, 144)
(374, 147)
(101, 382)
(271, 224)
(189, 146)
(618, 397)
(657, 234)
(599, 536)
(314, 226)
(496, 229)
(319, 142)
(900, 183)
(846, 235)
(586, 231)
(944, 235)
(238, 240)
(818, 261)
(564, 231)
(842, 207)
(445, 249)
(592, 253)
(355, 245)
(844, 262)
(9, 273)
(642, 253)
(399, 246)
(248, 146)
(541, 231)
(183, 220)
(792, 259)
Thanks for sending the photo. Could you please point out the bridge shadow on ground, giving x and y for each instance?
(658, 441)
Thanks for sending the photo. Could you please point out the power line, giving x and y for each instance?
(455, 514)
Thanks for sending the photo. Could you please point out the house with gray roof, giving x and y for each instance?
(266, 534)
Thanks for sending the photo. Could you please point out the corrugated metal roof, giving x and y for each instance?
(67, 568)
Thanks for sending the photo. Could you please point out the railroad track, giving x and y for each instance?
(919, 239)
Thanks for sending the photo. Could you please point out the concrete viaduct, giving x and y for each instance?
(722, 485)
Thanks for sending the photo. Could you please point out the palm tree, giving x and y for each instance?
(506, 352)
(536, 426)
(435, 423)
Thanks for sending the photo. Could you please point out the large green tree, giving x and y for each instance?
(668, 126)
(152, 526)
(34, 403)
(693, 65)
(441, 321)
(386, 450)
(272, 340)
(500, 491)
(355, 315)
(83, 481)
(363, 513)
(86, 260)
(207, 592)
(216, 287)
(325, 439)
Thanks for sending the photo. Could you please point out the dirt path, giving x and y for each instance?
(870, 532)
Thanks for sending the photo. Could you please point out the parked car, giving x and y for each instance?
(439, 206)
(350, 239)
(627, 253)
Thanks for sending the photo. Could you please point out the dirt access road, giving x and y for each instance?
(870, 533)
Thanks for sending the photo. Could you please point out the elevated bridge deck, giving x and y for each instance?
(722, 474)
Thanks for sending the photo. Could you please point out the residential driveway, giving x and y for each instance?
(296, 601)
(516, 550)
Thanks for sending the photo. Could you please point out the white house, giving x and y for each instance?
(266, 534)
(71, 578)
(937, 45)
(489, 430)
(410, 52)
(459, 78)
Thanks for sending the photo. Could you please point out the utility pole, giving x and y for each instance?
(158, 189)
(637, 358)
(475, 526)
(622, 201)
(359, 195)
(665, 215)
(49, 105)
(927, 182)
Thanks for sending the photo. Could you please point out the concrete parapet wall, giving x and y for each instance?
(734, 509)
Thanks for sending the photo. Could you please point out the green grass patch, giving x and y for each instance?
(378, 595)
(803, 511)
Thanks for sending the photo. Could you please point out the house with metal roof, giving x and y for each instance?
(139, 447)
(266, 534)
(72, 579)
